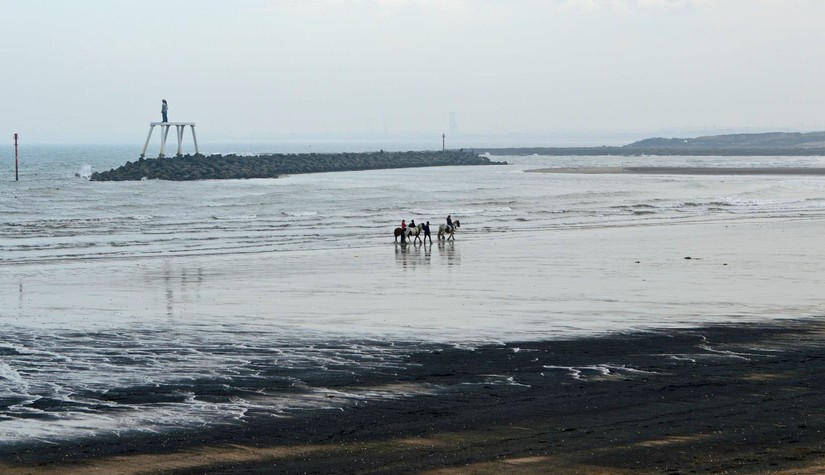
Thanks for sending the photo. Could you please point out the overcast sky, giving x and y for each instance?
(96, 70)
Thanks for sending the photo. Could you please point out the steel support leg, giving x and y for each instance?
(164, 134)
(179, 130)
(195, 138)
(146, 144)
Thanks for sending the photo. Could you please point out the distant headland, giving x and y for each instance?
(764, 144)
(228, 167)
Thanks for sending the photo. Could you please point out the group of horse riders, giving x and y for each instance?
(414, 230)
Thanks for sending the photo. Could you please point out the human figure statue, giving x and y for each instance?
(164, 110)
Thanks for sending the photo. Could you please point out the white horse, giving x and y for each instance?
(415, 232)
(408, 232)
(444, 230)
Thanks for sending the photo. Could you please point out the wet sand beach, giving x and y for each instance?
(721, 399)
(583, 351)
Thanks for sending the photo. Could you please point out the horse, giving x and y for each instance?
(408, 232)
(400, 232)
(444, 230)
(415, 231)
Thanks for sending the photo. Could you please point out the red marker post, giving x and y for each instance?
(16, 178)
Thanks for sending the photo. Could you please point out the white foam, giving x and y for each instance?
(13, 382)
(600, 371)
(727, 353)
(300, 214)
(190, 413)
(85, 171)
(82, 376)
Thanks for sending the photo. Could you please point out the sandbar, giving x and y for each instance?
(684, 171)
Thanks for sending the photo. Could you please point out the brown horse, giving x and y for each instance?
(400, 232)
(444, 230)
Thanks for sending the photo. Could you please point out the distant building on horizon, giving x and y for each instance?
(453, 125)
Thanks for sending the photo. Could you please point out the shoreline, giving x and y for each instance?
(683, 171)
(735, 398)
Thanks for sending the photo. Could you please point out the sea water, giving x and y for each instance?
(155, 305)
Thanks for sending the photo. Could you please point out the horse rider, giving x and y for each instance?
(449, 222)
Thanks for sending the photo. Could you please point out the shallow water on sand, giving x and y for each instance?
(155, 305)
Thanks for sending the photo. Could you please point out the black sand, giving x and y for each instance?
(724, 399)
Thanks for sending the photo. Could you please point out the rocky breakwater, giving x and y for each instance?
(228, 167)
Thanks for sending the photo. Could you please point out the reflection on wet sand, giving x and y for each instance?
(410, 255)
(447, 249)
(190, 281)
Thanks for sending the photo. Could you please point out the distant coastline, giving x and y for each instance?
(229, 167)
(765, 144)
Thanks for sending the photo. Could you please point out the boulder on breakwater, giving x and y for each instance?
(230, 167)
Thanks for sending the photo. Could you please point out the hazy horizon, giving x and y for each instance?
(331, 142)
(566, 72)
